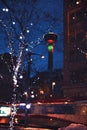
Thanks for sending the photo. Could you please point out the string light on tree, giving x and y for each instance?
(5, 9)
(28, 31)
(15, 38)
(31, 24)
(26, 49)
(13, 23)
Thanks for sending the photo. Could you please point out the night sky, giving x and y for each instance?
(22, 27)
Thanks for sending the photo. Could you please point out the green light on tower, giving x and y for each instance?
(50, 47)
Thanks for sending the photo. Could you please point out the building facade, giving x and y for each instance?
(75, 48)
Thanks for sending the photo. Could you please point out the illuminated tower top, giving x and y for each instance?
(50, 37)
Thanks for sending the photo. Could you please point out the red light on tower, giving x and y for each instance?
(50, 37)
(50, 41)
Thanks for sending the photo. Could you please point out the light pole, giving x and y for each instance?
(50, 38)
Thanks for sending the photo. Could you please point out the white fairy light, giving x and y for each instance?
(21, 76)
(42, 56)
(10, 52)
(26, 49)
(31, 42)
(28, 31)
(32, 96)
(21, 37)
(25, 93)
(32, 92)
(38, 78)
(15, 82)
(17, 85)
(6, 9)
(13, 23)
(3, 9)
(31, 59)
(31, 24)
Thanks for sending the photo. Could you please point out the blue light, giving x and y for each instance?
(28, 106)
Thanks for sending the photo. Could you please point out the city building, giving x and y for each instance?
(75, 48)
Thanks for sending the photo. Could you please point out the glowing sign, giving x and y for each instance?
(5, 111)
